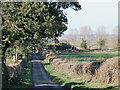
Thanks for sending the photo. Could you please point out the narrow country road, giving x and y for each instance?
(40, 79)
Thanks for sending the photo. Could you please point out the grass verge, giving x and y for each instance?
(74, 83)
(24, 80)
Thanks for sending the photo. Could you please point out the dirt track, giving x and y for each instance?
(40, 79)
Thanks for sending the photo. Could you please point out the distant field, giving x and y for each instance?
(87, 57)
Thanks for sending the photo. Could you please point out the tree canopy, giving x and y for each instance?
(25, 24)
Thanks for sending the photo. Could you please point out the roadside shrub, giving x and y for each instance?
(10, 52)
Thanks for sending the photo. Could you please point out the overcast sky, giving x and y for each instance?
(94, 13)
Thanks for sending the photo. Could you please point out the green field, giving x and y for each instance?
(87, 57)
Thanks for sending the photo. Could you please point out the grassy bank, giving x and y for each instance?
(87, 57)
(10, 61)
(73, 82)
(24, 80)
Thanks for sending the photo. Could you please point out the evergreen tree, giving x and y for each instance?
(101, 43)
(29, 23)
(84, 44)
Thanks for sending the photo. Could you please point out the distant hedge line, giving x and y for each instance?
(60, 46)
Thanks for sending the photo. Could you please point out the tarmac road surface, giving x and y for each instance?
(40, 79)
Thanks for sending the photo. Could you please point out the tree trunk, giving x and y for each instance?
(15, 59)
(5, 73)
(3, 53)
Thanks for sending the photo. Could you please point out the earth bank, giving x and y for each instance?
(106, 71)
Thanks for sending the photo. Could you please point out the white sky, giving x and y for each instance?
(94, 13)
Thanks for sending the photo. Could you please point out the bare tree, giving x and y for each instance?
(73, 38)
(114, 38)
(101, 34)
(86, 33)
